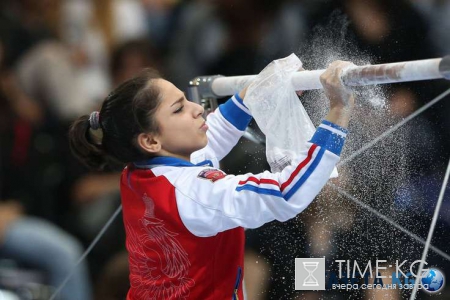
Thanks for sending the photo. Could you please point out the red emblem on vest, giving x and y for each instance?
(211, 174)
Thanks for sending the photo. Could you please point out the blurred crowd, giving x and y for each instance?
(60, 58)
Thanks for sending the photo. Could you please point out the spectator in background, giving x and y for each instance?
(162, 17)
(129, 58)
(41, 62)
(40, 94)
(210, 32)
(38, 244)
(28, 240)
(436, 13)
(35, 168)
(65, 47)
(92, 29)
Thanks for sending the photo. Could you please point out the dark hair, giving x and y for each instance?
(128, 111)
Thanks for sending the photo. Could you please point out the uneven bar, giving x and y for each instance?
(358, 76)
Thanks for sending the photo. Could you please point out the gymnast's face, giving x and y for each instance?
(182, 128)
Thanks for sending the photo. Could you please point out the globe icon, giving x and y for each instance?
(434, 279)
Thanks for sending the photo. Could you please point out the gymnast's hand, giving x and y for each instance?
(342, 99)
(242, 92)
(335, 90)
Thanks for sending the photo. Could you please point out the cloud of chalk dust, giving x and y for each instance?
(375, 176)
(334, 226)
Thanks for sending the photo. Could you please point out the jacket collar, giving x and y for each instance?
(169, 161)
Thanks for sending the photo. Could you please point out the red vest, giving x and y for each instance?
(166, 260)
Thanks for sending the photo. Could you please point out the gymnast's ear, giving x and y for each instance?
(149, 143)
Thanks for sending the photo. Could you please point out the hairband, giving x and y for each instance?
(95, 132)
(94, 120)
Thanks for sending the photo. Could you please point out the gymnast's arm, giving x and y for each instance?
(211, 204)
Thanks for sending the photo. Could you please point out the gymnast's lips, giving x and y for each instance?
(204, 126)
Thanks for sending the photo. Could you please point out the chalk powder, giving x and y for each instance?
(336, 227)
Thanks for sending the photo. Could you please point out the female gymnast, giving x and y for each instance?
(184, 217)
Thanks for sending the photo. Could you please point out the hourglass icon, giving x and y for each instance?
(310, 280)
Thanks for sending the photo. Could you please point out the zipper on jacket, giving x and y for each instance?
(236, 285)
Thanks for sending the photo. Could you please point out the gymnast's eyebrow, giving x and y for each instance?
(178, 101)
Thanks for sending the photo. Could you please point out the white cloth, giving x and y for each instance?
(278, 112)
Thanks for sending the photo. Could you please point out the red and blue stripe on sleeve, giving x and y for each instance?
(328, 136)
